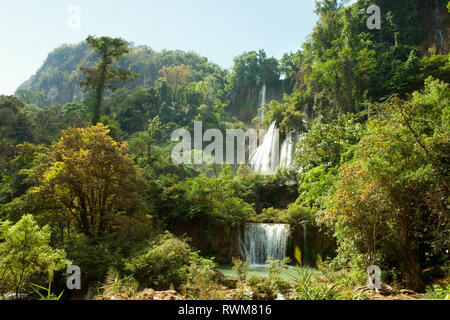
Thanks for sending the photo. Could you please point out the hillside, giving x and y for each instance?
(58, 78)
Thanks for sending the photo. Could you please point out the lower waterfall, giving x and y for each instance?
(262, 241)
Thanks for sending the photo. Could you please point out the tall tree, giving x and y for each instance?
(176, 75)
(104, 75)
(91, 181)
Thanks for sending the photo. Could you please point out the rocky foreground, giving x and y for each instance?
(225, 293)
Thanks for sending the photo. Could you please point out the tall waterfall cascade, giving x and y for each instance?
(268, 157)
(262, 101)
(265, 159)
(287, 155)
(262, 241)
(283, 77)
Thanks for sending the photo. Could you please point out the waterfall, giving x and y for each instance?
(265, 159)
(287, 155)
(283, 78)
(262, 101)
(262, 241)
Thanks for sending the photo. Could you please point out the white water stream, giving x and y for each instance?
(262, 241)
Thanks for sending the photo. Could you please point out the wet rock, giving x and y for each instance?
(220, 275)
(407, 292)
(230, 283)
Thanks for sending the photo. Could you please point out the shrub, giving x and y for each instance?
(115, 284)
(294, 214)
(161, 264)
(93, 257)
(241, 269)
(437, 292)
(268, 288)
(26, 255)
(262, 288)
(274, 269)
(202, 279)
(308, 288)
(269, 215)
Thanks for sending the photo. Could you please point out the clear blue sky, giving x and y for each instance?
(219, 30)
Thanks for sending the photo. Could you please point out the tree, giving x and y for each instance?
(14, 122)
(391, 201)
(177, 76)
(425, 117)
(91, 181)
(329, 144)
(251, 71)
(25, 253)
(104, 75)
(32, 97)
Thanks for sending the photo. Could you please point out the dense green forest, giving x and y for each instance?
(87, 176)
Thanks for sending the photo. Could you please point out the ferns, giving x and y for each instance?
(437, 292)
(309, 289)
(115, 284)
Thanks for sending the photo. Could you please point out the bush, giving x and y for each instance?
(268, 288)
(93, 257)
(274, 269)
(437, 292)
(262, 288)
(162, 264)
(308, 288)
(294, 214)
(202, 279)
(26, 255)
(240, 268)
(115, 284)
(269, 215)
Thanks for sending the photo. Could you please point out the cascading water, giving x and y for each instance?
(262, 241)
(262, 101)
(283, 78)
(287, 155)
(265, 159)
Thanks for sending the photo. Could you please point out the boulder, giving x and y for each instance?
(230, 283)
